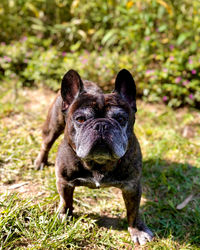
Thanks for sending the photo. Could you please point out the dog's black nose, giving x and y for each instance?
(101, 127)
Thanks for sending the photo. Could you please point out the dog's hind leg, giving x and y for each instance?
(52, 129)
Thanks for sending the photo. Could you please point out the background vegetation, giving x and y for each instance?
(158, 41)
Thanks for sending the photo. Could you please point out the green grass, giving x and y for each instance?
(171, 172)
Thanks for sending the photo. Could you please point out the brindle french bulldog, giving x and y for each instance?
(99, 148)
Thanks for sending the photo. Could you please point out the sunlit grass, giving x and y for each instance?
(28, 218)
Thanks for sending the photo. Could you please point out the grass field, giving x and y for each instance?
(170, 142)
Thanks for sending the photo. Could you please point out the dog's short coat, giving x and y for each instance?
(99, 148)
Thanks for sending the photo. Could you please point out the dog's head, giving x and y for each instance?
(99, 126)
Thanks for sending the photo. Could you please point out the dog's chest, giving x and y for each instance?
(92, 180)
(98, 180)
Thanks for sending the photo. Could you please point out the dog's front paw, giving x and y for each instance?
(62, 217)
(140, 236)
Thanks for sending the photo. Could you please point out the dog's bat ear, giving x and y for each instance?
(125, 86)
(71, 87)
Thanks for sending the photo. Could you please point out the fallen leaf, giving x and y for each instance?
(185, 202)
(18, 185)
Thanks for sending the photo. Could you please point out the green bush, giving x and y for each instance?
(158, 41)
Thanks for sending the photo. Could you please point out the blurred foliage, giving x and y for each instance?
(158, 41)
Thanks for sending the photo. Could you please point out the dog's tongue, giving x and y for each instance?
(97, 177)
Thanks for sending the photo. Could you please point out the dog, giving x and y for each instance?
(99, 148)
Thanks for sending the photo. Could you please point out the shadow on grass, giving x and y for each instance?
(165, 185)
(109, 222)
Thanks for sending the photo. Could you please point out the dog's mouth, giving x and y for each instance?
(101, 152)
(101, 156)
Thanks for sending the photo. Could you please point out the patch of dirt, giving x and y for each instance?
(25, 189)
(34, 101)
(188, 120)
(38, 99)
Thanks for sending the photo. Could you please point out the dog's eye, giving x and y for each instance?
(121, 119)
(81, 119)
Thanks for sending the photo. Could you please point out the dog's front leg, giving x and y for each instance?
(66, 199)
(139, 232)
